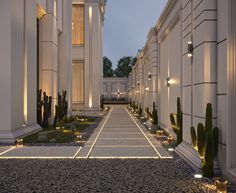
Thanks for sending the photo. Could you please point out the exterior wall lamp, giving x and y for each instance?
(190, 49)
(168, 82)
(146, 89)
(138, 83)
(149, 76)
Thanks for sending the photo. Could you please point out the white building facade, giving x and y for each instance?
(208, 76)
(48, 45)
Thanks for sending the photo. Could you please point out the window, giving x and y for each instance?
(78, 24)
(78, 82)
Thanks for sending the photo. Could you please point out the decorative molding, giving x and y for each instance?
(231, 88)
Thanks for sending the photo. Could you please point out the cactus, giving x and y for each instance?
(64, 104)
(154, 115)
(140, 110)
(47, 104)
(177, 123)
(147, 112)
(39, 107)
(207, 143)
(102, 102)
(60, 108)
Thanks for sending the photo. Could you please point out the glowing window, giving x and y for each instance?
(78, 24)
(78, 82)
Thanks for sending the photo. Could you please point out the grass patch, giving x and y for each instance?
(67, 134)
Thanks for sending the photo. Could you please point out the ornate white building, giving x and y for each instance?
(166, 69)
(52, 45)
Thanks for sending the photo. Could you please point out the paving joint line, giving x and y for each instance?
(146, 137)
(99, 133)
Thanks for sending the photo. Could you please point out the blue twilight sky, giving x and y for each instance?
(126, 26)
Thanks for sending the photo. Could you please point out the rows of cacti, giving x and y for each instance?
(176, 120)
(46, 105)
(205, 142)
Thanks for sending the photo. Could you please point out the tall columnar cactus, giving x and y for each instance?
(102, 102)
(47, 104)
(64, 104)
(61, 107)
(206, 142)
(39, 107)
(147, 112)
(140, 110)
(177, 122)
(154, 114)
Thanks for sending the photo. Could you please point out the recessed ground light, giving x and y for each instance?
(171, 149)
(198, 176)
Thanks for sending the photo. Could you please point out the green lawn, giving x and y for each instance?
(66, 134)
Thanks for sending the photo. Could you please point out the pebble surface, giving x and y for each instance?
(106, 176)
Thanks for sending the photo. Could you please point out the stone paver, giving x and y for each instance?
(42, 152)
(4, 149)
(121, 136)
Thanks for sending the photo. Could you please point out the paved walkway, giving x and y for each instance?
(119, 135)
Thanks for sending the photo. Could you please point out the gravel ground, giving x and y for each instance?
(108, 176)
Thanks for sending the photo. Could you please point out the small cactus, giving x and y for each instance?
(47, 105)
(147, 112)
(39, 108)
(177, 123)
(60, 108)
(154, 115)
(140, 110)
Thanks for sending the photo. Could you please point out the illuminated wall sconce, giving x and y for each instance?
(149, 76)
(190, 49)
(137, 91)
(147, 89)
(168, 82)
(138, 83)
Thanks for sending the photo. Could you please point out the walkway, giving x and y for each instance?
(119, 135)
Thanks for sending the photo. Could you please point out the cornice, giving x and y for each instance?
(170, 4)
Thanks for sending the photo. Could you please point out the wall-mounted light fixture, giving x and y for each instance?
(149, 76)
(138, 83)
(168, 82)
(137, 91)
(147, 89)
(190, 49)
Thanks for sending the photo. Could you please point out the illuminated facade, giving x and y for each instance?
(52, 45)
(203, 75)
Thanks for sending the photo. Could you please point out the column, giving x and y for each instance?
(49, 54)
(65, 49)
